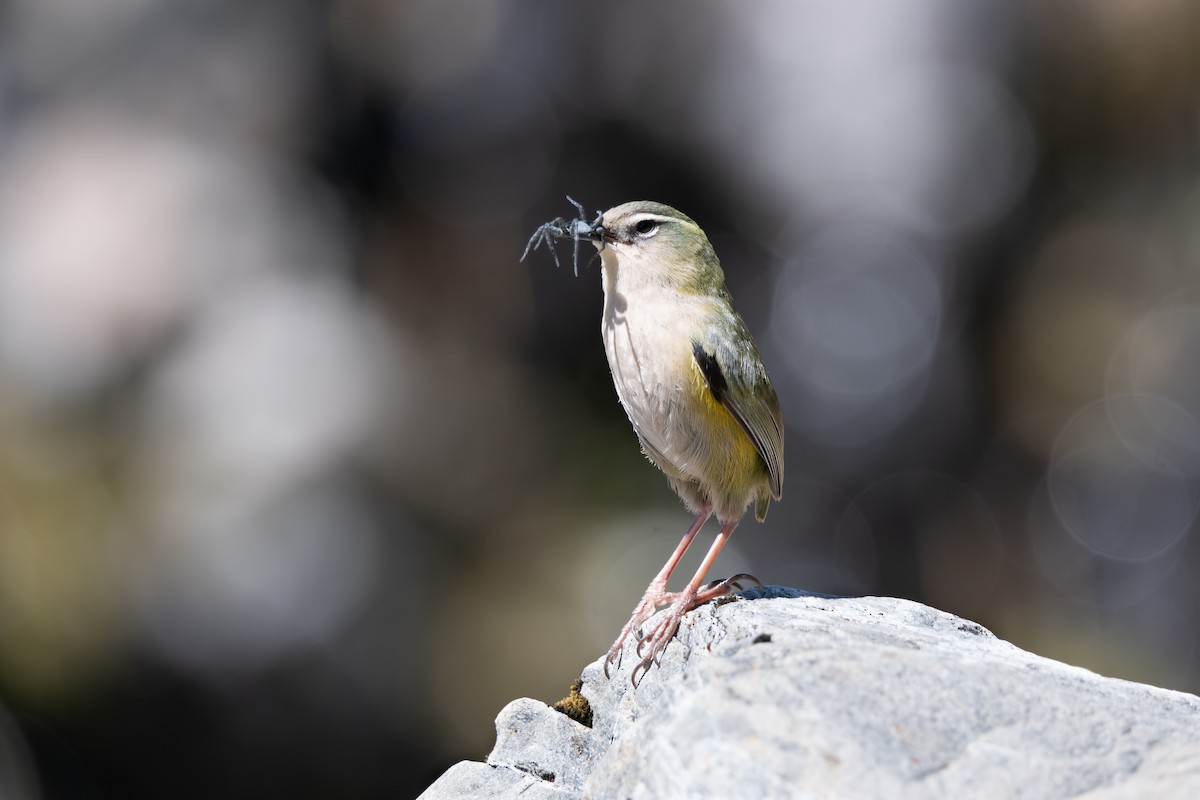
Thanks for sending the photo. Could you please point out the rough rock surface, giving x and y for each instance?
(786, 694)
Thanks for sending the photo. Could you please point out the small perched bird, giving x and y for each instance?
(692, 382)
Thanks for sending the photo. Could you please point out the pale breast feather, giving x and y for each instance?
(645, 358)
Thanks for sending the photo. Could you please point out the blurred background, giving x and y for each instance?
(303, 476)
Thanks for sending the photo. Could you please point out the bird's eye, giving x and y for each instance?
(646, 226)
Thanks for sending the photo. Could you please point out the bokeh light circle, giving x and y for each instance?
(1111, 482)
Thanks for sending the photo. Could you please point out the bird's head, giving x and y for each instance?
(652, 243)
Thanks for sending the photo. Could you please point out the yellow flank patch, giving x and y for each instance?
(727, 448)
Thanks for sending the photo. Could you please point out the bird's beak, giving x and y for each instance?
(602, 235)
(595, 233)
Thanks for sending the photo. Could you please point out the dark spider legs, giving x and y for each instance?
(559, 228)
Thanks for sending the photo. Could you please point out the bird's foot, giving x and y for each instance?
(655, 596)
(652, 646)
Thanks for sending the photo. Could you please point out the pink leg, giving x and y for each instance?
(656, 640)
(656, 592)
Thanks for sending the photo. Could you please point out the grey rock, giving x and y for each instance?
(791, 695)
(472, 779)
(533, 738)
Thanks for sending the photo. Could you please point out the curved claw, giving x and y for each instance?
(614, 653)
(657, 654)
(722, 587)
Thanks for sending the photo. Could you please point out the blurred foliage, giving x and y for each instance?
(303, 476)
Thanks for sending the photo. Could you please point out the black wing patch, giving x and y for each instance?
(712, 373)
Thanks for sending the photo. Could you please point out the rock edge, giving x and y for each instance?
(787, 694)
